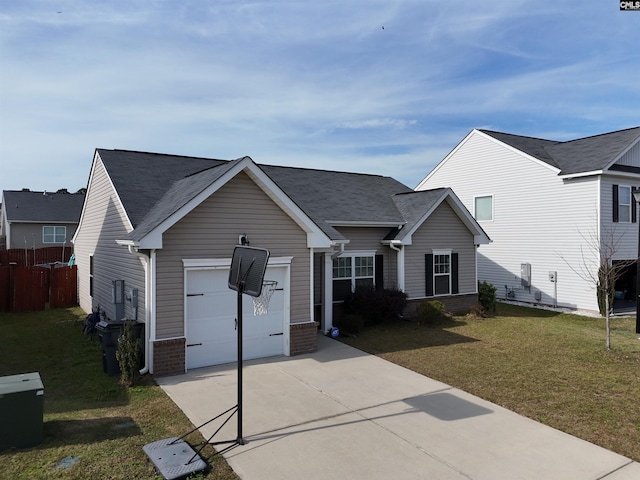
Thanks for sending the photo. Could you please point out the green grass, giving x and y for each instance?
(88, 416)
(551, 367)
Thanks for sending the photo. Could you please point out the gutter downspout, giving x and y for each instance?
(396, 245)
(336, 254)
(145, 259)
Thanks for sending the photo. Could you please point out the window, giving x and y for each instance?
(91, 276)
(622, 204)
(441, 273)
(54, 234)
(351, 272)
(483, 208)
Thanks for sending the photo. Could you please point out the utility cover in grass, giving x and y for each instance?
(67, 462)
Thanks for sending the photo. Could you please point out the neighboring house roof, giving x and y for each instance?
(42, 207)
(589, 154)
(157, 189)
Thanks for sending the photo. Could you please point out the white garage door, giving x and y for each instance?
(211, 310)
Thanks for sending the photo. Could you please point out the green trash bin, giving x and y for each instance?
(21, 411)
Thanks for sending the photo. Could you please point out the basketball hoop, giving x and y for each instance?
(261, 302)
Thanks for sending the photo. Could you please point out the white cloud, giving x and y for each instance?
(313, 84)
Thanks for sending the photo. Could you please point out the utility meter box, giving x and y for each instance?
(21, 411)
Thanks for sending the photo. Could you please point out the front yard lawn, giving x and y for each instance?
(548, 366)
(93, 427)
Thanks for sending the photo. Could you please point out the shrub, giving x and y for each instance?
(487, 296)
(477, 311)
(128, 355)
(349, 323)
(376, 305)
(432, 311)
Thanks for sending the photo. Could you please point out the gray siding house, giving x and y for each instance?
(165, 227)
(38, 219)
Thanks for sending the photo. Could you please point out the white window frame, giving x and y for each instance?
(624, 207)
(55, 234)
(436, 274)
(475, 210)
(353, 277)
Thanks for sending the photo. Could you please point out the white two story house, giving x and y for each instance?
(548, 207)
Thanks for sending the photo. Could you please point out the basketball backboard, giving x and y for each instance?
(248, 265)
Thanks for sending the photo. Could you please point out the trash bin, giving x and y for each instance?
(108, 332)
(21, 411)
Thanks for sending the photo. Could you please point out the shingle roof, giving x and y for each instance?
(331, 198)
(575, 156)
(153, 186)
(42, 207)
(414, 206)
(142, 179)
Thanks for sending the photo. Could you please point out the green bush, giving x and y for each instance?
(376, 305)
(487, 296)
(432, 311)
(128, 355)
(349, 323)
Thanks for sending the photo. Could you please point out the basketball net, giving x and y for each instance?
(261, 303)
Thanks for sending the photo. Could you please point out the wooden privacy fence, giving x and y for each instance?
(39, 256)
(31, 288)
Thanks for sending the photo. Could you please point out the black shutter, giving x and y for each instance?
(634, 206)
(615, 203)
(454, 273)
(428, 260)
(379, 273)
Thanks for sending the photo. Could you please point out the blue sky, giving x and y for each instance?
(384, 87)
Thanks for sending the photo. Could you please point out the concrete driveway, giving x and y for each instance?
(343, 414)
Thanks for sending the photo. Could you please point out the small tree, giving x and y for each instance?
(605, 247)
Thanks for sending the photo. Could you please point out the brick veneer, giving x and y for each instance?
(303, 338)
(169, 357)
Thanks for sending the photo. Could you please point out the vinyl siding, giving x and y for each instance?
(442, 230)
(211, 230)
(632, 157)
(539, 219)
(33, 234)
(624, 234)
(102, 224)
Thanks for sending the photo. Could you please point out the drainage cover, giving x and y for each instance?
(174, 458)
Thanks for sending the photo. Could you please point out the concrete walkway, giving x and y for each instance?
(344, 414)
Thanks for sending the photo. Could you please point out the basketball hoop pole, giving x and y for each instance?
(239, 439)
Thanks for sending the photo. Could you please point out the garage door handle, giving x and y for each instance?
(275, 334)
(195, 294)
(193, 344)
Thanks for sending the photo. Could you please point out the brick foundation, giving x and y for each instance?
(455, 304)
(303, 338)
(169, 357)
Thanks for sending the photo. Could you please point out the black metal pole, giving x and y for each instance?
(239, 439)
(638, 283)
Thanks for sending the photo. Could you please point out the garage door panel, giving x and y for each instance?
(211, 313)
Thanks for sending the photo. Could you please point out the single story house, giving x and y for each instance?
(39, 219)
(157, 233)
